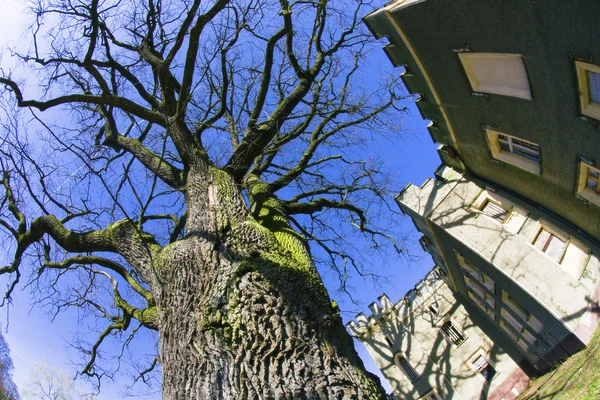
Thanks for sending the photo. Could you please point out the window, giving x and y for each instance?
(521, 312)
(516, 330)
(524, 339)
(496, 73)
(441, 273)
(494, 211)
(425, 242)
(389, 341)
(519, 333)
(433, 310)
(452, 334)
(549, 243)
(566, 251)
(519, 147)
(588, 81)
(477, 300)
(473, 271)
(405, 366)
(594, 84)
(512, 150)
(433, 395)
(479, 363)
(592, 179)
(500, 209)
(588, 187)
(483, 295)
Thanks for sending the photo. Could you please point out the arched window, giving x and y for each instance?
(452, 333)
(405, 366)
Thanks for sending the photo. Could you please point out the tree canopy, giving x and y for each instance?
(146, 123)
(8, 389)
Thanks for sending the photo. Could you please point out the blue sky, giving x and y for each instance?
(33, 338)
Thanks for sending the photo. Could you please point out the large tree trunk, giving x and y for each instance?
(243, 312)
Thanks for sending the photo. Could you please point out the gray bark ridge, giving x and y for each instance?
(243, 313)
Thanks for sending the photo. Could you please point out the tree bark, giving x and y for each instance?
(243, 312)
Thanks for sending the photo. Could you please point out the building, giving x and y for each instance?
(512, 90)
(533, 279)
(429, 347)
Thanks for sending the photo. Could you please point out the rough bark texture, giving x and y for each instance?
(172, 91)
(243, 312)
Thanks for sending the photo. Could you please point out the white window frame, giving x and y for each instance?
(575, 255)
(519, 75)
(587, 107)
(489, 202)
(553, 234)
(583, 190)
(471, 364)
(515, 218)
(510, 157)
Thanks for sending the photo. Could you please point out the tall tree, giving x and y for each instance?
(8, 389)
(200, 149)
(47, 382)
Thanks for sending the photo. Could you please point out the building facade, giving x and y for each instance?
(512, 92)
(534, 279)
(428, 346)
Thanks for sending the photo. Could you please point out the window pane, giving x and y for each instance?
(542, 240)
(475, 288)
(494, 211)
(592, 179)
(522, 143)
(511, 320)
(516, 307)
(488, 373)
(408, 369)
(503, 140)
(594, 83)
(526, 149)
(555, 248)
(482, 366)
(480, 363)
(476, 300)
(526, 152)
(519, 147)
(452, 333)
(508, 330)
